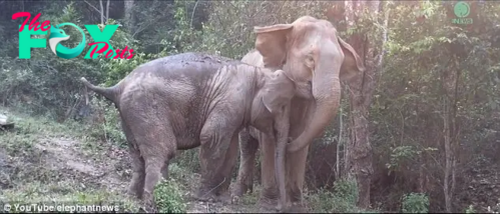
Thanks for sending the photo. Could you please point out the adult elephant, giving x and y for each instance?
(310, 51)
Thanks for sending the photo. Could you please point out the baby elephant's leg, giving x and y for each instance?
(248, 149)
(137, 184)
(138, 172)
(156, 158)
(164, 170)
(218, 154)
(156, 143)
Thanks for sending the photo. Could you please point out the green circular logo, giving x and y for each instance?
(462, 9)
(57, 35)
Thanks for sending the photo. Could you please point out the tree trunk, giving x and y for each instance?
(102, 12)
(450, 81)
(129, 14)
(339, 143)
(448, 157)
(361, 91)
(107, 11)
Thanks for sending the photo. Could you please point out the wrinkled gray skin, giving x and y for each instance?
(192, 99)
(310, 51)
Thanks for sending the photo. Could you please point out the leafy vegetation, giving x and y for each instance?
(415, 203)
(168, 197)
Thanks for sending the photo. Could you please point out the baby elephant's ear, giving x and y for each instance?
(277, 92)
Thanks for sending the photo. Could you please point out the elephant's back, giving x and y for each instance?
(192, 67)
(182, 83)
(191, 57)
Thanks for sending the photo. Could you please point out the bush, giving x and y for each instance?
(104, 122)
(470, 209)
(341, 200)
(168, 197)
(415, 203)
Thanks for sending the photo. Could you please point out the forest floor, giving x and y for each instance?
(43, 161)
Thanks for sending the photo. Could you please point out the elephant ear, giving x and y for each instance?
(271, 43)
(352, 64)
(277, 92)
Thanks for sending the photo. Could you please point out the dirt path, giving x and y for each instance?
(65, 154)
(109, 169)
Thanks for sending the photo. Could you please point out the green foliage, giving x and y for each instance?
(119, 68)
(110, 129)
(341, 200)
(46, 81)
(168, 197)
(347, 189)
(470, 209)
(115, 69)
(415, 203)
(188, 159)
(425, 52)
(399, 154)
(185, 38)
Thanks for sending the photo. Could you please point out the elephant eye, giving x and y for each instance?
(309, 61)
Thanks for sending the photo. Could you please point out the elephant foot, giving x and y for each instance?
(224, 198)
(267, 205)
(133, 195)
(149, 206)
(235, 198)
(205, 196)
(211, 196)
(273, 205)
(297, 207)
(149, 209)
(240, 189)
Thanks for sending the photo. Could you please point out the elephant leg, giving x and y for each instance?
(248, 150)
(269, 195)
(164, 169)
(153, 176)
(138, 174)
(296, 161)
(295, 166)
(138, 171)
(228, 167)
(156, 158)
(156, 143)
(218, 155)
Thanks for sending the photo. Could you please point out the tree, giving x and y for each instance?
(370, 47)
(129, 14)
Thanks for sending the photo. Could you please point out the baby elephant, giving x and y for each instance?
(193, 99)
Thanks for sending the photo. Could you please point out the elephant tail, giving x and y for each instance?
(109, 93)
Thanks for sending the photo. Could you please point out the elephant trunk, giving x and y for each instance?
(282, 127)
(326, 92)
